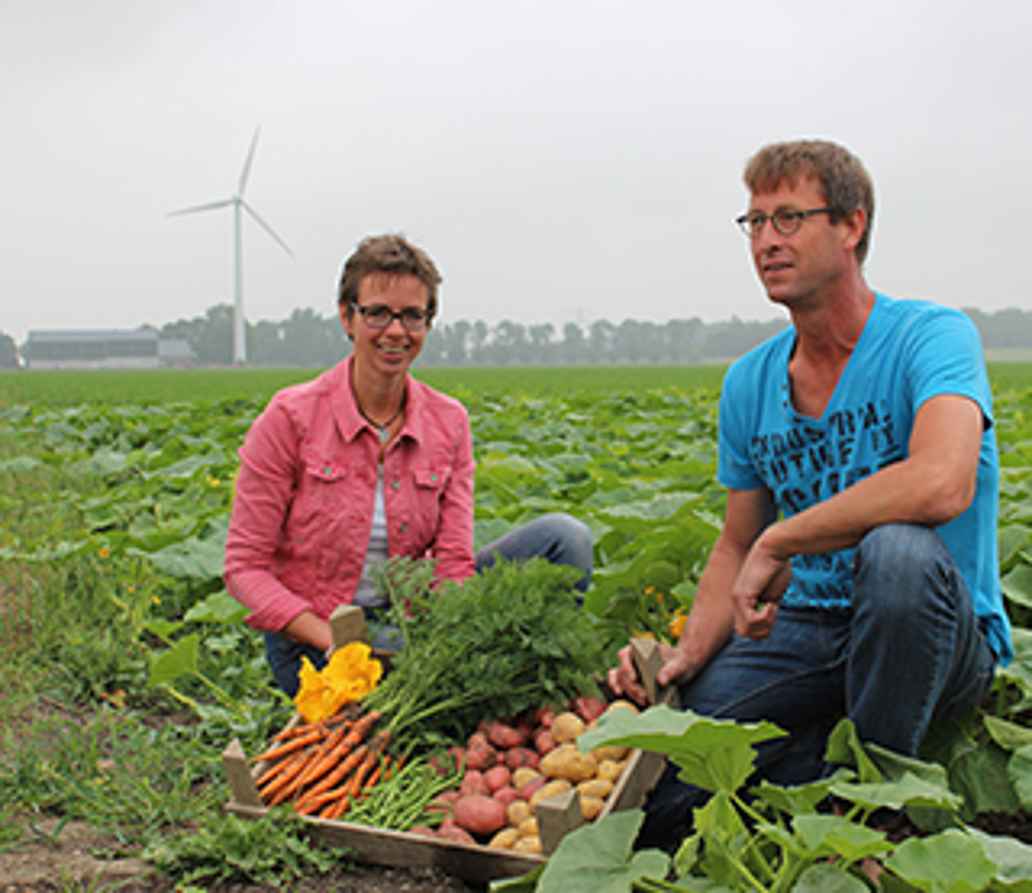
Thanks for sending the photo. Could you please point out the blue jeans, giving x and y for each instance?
(560, 538)
(909, 649)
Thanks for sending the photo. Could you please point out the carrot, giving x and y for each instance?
(284, 778)
(352, 760)
(292, 745)
(354, 786)
(361, 727)
(307, 804)
(324, 758)
(336, 809)
(276, 768)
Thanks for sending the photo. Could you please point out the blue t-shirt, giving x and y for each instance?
(908, 352)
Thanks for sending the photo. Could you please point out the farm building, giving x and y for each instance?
(104, 349)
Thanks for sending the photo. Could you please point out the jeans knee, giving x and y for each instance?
(896, 564)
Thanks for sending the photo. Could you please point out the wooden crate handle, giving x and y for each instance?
(648, 660)
(347, 624)
(557, 816)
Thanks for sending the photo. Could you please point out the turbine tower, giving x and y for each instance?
(239, 205)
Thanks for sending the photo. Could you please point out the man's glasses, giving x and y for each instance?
(784, 220)
(379, 316)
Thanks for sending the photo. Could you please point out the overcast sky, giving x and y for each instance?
(561, 161)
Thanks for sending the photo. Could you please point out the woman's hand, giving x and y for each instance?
(623, 679)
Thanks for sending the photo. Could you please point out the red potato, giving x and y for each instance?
(506, 795)
(497, 777)
(521, 756)
(477, 739)
(444, 802)
(531, 787)
(473, 783)
(481, 757)
(543, 716)
(424, 830)
(480, 815)
(454, 831)
(589, 709)
(543, 741)
(504, 736)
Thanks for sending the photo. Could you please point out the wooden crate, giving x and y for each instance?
(556, 816)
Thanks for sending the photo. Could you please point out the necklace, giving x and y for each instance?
(384, 429)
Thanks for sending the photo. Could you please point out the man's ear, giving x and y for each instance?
(856, 226)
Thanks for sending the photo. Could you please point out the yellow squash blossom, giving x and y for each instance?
(349, 676)
(677, 623)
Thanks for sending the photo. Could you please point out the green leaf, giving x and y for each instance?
(1019, 771)
(20, 465)
(219, 607)
(597, 858)
(981, 775)
(1013, 861)
(179, 660)
(191, 559)
(824, 835)
(1009, 735)
(803, 798)
(1017, 585)
(906, 791)
(950, 862)
(825, 878)
(525, 883)
(716, 755)
(844, 749)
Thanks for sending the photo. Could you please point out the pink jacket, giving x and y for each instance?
(303, 508)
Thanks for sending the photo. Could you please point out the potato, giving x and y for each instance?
(497, 777)
(531, 787)
(473, 783)
(504, 839)
(590, 807)
(569, 763)
(423, 830)
(622, 705)
(529, 843)
(524, 774)
(588, 708)
(517, 811)
(452, 831)
(610, 752)
(566, 727)
(544, 742)
(506, 795)
(544, 716)
(529, 826)
(552, 789)
(504, 736)
(515, 757)
(595, 787)
(479, 814)
(609, 770)
(481, 757)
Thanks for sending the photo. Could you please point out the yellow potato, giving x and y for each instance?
(622, 705)
(531, 843)
(524, 774)
(528, 827)
(553, 789)
(518, 811)
(595, 787)
(504, 839)
(569, 763)
(590, 807)
(566, 727)
(610, 752)
(610, 770)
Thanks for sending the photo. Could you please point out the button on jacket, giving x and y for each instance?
(303, 508)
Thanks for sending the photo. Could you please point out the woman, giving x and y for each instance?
(361, 464)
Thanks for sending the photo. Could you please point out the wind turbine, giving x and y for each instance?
(239, 205)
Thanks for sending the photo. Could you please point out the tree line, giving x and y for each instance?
(306, 338)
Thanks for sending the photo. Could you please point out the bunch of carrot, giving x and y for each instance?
(322, 768)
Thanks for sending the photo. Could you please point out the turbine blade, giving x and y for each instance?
(246, 172)
(211, 206)
(266, 227)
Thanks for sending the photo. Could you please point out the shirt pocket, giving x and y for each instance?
(430, 482)
(324, 505)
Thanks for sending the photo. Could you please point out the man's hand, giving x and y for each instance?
(623, 679)
(758, 589)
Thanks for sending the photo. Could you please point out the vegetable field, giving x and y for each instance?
(127, 669)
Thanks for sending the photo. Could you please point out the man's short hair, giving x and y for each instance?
(394, 255)
(844, 181)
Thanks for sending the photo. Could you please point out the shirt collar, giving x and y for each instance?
(345, 409)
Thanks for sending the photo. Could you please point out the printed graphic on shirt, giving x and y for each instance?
(809, 462)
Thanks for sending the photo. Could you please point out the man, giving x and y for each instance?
(856, 573)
